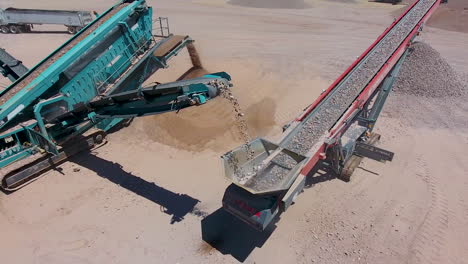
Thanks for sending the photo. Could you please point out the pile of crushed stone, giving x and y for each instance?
(426, 73)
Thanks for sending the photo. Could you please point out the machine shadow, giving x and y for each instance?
(174, 204)
(321, 173)
(231, 236)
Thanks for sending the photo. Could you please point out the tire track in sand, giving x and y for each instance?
(431, 236)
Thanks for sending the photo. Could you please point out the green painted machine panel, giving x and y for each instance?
(89, 68)
(91, 65)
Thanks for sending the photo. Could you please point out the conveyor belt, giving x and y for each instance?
(313, 128)
(333, 107)
(38, 69)
(168, 45)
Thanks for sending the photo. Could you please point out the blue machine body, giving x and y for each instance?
(107, 61)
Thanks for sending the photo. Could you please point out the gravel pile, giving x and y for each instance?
(426, 73)
(336, 103)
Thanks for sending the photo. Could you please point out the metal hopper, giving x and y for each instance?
(262, 167)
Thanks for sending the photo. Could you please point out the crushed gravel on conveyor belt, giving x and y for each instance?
(346, 92)
(335, 104)
(280, 166)
(43, 66)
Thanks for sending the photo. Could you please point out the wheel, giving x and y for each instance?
(14, 29)
(353, 162)
(4, 29)
(349, 167)
(98, 139)
(71, 30)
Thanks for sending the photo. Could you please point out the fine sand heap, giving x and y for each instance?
(426, 73)
(226, 93)
(198, 70)
(286, 4)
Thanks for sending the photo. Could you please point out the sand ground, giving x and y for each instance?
(154, 190)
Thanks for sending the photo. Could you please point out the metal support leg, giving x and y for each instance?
(384, 91)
